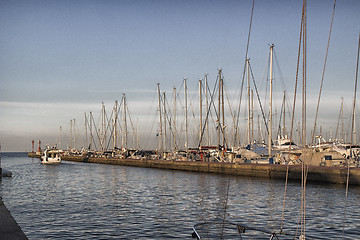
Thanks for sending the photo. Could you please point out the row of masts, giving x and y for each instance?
(107, 135)
(100, 138)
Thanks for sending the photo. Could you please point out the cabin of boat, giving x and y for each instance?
(51, 155)
(283, 143)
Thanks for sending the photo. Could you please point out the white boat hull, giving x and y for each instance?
(50, 160)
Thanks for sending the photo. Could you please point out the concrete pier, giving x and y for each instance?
(274, 171)
(9, 229)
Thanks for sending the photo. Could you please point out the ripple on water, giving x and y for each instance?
(93, 201)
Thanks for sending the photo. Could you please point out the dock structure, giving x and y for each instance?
(337, 175)
(9, 229)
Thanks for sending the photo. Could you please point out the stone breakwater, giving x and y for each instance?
(9, 229)
(273, 171)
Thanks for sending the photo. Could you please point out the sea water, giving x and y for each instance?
(97, 201)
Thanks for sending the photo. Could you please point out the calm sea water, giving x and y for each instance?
(93, 201)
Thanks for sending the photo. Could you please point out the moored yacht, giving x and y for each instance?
(50, 156)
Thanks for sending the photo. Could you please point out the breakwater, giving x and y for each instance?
(274, 171)
(9, 229)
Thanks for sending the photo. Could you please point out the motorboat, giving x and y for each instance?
(51, 156)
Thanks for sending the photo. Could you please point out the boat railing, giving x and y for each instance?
(212, 230)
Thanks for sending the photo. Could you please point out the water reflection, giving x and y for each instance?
(93, 201)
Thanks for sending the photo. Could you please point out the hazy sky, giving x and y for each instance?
(59, 59)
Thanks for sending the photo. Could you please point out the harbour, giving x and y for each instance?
(154, 121)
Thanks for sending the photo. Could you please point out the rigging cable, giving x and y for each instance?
(353, 128)
(242, 82)
(303, 222)
(231, 112)
(258, 96)
(208, 110)
(338, 122)
(225, 209)
(246, 56)
(323, 73)
(293, 113)
(352, 133)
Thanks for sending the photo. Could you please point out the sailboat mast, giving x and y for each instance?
(223, 111)
(284, 133)
(102, 126)
(200, 110)
(219, 102)
(74, 135)
(160, 120)
(303, 137)
(207, 108)
(186, 116)
(174, 127)
(86, 137)
(271, 88)
(115, 124)
(125, 125)
(342, 119)
(249, 102)
(60, 137)
(252, 116)
(165, 143)
(353, 128)
(91, 135)
(259, 129)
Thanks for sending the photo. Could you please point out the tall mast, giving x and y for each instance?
(70, 145)
(303, 138)
(125, 124)
(174, 127)
(186, 117)
(74, 128)
(207, 108)
(259, 131)
(60, 137)
(284, 133)
(102, 126)
(271, 88)
(219, 102)
(342, 119)
(223, 111)
(137, 134)
(160, 120)
(91, 136)
(165, 143)
(86, 135)
(353, 128)
(115, 124)
(252, 116)
(249, 102)
(200, 111)
(302, 232)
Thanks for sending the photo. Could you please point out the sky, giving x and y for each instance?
(60, 59)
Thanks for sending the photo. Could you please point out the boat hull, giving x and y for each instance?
(51, 156)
